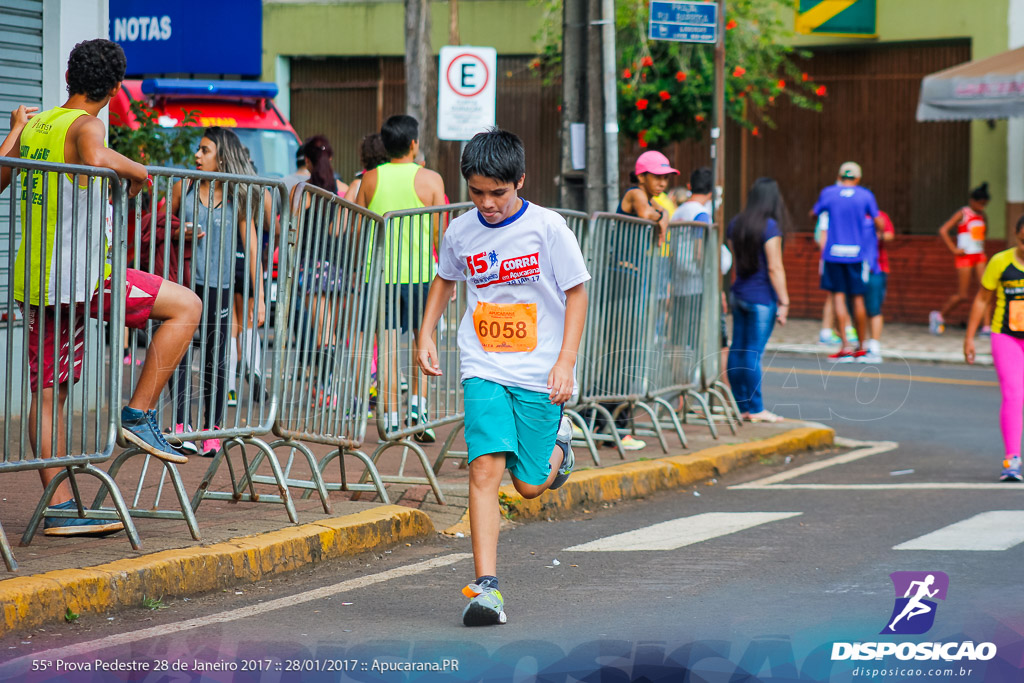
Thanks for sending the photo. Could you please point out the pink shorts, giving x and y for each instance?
(140, 295)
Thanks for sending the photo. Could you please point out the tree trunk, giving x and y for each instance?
(595, 188)
(419, 70)
(574, 89)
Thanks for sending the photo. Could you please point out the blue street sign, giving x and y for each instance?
(687, 22)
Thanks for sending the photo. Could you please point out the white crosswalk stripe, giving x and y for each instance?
(681, 532)
(994, 530)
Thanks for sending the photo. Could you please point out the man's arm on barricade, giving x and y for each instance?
(560, 379)
(437, 299)
(92, 152)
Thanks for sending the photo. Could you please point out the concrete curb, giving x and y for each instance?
(639, 479)
(31, 601)
(888, 355)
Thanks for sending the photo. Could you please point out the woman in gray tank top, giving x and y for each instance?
(210, 216)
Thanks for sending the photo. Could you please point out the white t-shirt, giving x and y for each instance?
(530, 258)
(697, 212)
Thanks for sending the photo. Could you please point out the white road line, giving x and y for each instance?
(994, 530)
(921, 486)
(874, 449)
(677, 533)
(233, 615)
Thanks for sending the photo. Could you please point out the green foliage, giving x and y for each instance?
(666, 88)
(153, 603)
(152, 144)
(70, 616)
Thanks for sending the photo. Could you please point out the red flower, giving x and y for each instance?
(664, 95)
(647, 61)
(642, 138)
(643, 143)
(535, 64)
(756, 132)
(738, 72)
(742, 93)
(805, 77)
(699, 118)
(771, 98)
(680, 76)
(730, 25)
(782, 84)
(627, 74)
(642, 104)
(821, 91)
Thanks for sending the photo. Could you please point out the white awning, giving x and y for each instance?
(990, 88)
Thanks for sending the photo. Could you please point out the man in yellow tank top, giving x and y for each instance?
(410, 252)
(55, 283)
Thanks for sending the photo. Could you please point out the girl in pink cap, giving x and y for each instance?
(651, 177)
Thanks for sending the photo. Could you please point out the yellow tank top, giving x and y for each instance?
(408, 244)
(64, 239)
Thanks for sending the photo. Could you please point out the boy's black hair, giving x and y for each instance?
(398, 134)
(496, 154)
(700, 181)
(94, 68)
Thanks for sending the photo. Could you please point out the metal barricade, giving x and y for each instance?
(579, 223)
(711, 359)
(680, 313)
(217, 234)
(62, 323)
(620, 352)
(409, 407)
(333, 292)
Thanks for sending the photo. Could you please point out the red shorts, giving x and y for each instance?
(969, 260)
(140, 295)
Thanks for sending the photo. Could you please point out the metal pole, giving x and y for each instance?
(718, 131)
(595, 194)
(611, 114)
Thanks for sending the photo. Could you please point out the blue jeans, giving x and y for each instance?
(751, 326)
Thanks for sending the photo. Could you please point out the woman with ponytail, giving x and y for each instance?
(969, 253)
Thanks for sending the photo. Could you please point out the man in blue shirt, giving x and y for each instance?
(847, 253)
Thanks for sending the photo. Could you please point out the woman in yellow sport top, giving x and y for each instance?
(1004, 281)
(969, 250)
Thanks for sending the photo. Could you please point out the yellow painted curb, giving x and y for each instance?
(639, 479)
(35, 600)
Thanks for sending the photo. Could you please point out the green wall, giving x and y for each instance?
(985, 23)
(378, 28)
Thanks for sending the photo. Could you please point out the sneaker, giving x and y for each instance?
(184, 447)
(1011, 469)
(232, 397)
(563, 439)
(139, 428)
(859, 353)
(851, 334)
(936, 325)
(631, 443)
(127, 360)
(259, 392)
(486, 606)
(829, 337)
(76, 526)
(986, 331)
(427, 435)
(870, 357)
(842, 356)
(403, 384)
(209, 447)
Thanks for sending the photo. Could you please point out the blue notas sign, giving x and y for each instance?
(688, 22)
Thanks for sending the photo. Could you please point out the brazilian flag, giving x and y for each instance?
(837, 17)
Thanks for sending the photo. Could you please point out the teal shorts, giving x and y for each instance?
(520, 423)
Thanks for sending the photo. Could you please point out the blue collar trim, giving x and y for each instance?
(508, 221)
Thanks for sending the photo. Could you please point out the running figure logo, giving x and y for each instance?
(492, 258)
(914, 612)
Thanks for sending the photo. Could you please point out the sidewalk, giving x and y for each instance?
(244, 542)
(899, 341)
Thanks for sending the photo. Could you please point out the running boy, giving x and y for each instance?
(525, 308)
(73, 134)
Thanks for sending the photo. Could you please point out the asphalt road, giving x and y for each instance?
(772, 574)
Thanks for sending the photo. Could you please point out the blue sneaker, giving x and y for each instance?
(1011, 469)
(486, 606)
(564, 441)
(76, 526)
(427, 435)
(139, 428)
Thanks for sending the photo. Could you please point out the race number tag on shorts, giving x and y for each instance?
(504, 328)
(1016, 313)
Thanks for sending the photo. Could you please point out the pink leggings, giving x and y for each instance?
(1008, 356)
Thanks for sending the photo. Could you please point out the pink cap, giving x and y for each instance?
(654, 162)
